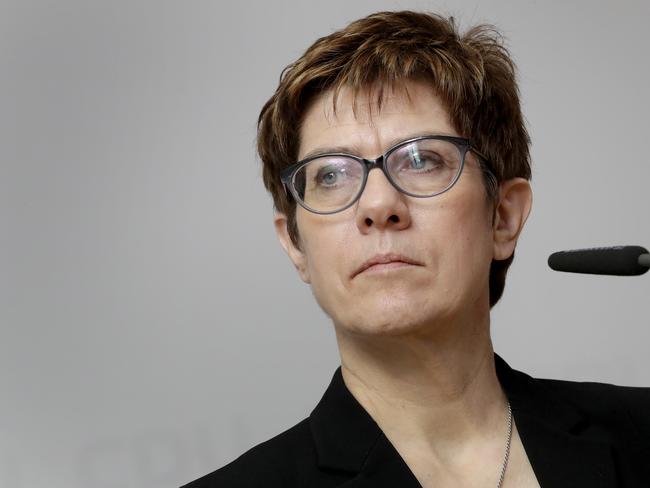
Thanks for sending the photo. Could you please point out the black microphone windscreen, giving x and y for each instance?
(619, 261)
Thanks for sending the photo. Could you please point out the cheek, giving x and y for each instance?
(327, 266)
(324, 239)
(461, 235)
(475, 247)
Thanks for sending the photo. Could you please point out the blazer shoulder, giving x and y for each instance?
(271, 463)
(604, 401)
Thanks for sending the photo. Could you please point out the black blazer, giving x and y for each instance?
(575, 435)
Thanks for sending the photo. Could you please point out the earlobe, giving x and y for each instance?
(297, 256)
(515, 201)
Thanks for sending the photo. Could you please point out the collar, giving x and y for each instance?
(348, 439)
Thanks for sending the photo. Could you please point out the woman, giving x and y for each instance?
(398, 160)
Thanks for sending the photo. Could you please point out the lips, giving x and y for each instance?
(385, 259)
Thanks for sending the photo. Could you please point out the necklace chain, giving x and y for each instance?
(505, 459)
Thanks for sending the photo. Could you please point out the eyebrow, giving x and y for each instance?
(354, 150)
(331, 149)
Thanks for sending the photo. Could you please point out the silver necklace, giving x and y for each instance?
(505, 459)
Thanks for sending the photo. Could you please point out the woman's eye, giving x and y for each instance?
(328, 178)
(419, 161)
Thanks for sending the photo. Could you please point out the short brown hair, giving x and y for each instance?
(472, 73)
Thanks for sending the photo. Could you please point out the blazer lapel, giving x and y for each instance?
(348, 439)
(384, 468)
(553, 434)
(560, 459)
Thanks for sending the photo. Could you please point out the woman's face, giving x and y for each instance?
(432, 255)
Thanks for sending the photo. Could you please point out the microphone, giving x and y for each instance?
(618, 261)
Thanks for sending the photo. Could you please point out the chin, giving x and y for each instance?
(392, 321)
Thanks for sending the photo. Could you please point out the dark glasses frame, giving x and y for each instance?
(464, 146)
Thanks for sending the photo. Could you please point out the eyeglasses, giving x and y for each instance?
(420, 167)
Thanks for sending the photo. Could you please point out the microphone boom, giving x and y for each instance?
(618, 261)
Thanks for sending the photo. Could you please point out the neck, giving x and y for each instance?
(427, 393)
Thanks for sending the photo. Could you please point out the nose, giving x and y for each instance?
(381, 205)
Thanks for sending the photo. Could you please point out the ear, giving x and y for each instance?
(515, 200)
(297, 257)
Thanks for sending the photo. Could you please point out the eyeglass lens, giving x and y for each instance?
(420, 168)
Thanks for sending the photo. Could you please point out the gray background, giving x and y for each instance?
(151, 328)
